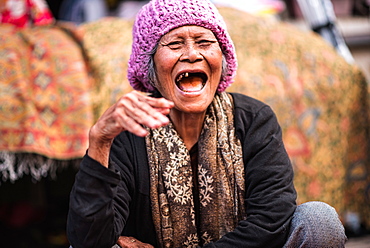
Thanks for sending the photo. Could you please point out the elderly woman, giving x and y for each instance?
(189, 165)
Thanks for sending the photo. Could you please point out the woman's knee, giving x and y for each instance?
(316, 224)
(316, 211)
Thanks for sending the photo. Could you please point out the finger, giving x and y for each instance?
(154, 99)
(145, 114)
(131, 125)
(162, 105)
(131, 117)
(130, 242)
(142, 112)
(126, 242)
(164, 112)
(159, 102)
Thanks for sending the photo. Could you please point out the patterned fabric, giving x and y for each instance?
(220, 180)
(44, 98)
(316, 225)
(24, 13)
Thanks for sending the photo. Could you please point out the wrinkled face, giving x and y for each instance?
(188, 63)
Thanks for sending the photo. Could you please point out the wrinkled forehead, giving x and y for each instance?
(193, 31)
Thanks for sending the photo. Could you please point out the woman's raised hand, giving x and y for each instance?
(129, 113)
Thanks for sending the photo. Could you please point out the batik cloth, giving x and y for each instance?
(45, 105)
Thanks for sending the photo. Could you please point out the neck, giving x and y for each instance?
(189, 126)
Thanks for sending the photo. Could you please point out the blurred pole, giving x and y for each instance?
(321, 18)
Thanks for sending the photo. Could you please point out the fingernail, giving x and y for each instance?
(143, 133)
(165, 120)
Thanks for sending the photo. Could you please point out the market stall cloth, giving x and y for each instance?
(45, 109)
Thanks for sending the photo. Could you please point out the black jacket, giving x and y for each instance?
(106, 203)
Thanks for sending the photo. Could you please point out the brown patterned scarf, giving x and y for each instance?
(220, 180)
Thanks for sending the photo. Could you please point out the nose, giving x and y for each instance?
(191, 54)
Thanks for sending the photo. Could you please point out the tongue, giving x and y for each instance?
(191, 84)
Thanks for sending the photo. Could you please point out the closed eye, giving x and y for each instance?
(206, 42)
(174, 45)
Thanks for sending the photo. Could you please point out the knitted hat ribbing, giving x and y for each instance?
(157, 18)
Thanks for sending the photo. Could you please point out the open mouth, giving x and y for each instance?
(191, 82)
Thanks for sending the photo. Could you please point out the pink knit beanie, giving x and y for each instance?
(157, 18)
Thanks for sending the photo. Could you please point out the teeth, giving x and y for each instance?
(186, 74)
(180, 77)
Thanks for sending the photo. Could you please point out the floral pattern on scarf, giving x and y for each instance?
(220, 180)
